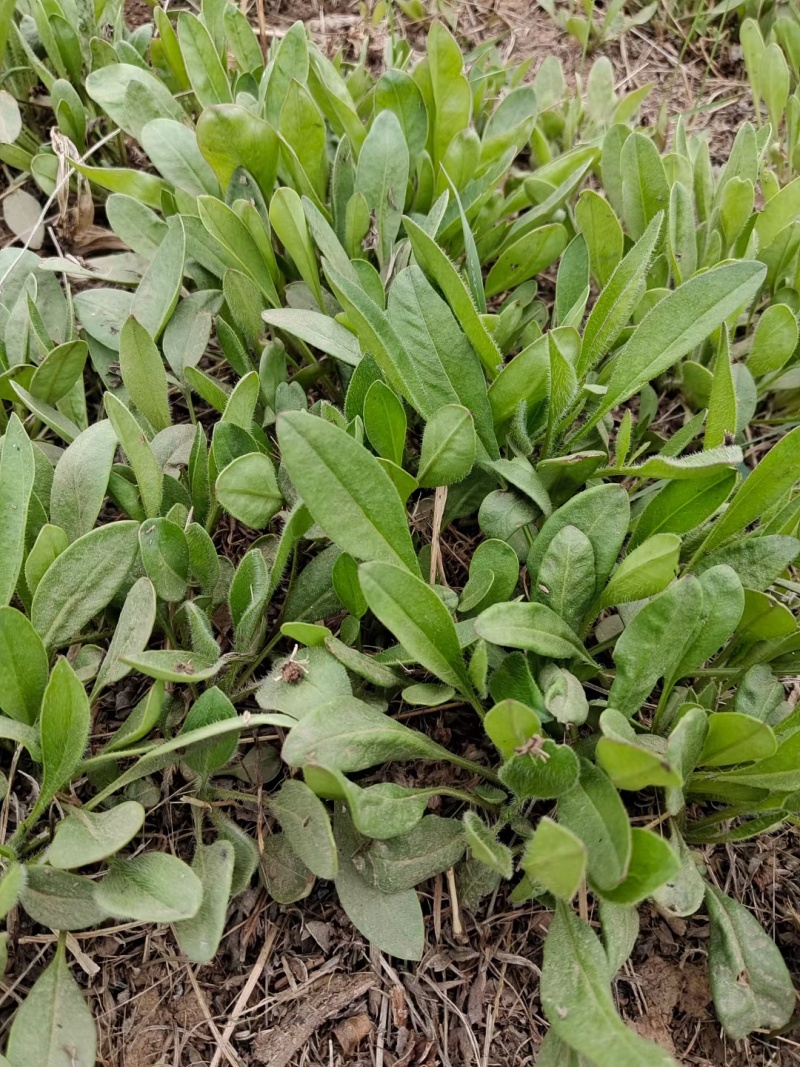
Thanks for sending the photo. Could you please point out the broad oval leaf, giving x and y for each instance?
(153, 887)
(83, 580)
(86, 837)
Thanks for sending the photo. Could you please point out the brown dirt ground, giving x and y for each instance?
(297, 986)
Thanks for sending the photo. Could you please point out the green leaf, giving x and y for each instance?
(143, 373)
(152, 887)
(109, 87)
(722, 417)
(302, 131)
(307, 828)
(430, 847)
(652, 863)
(81, 478)
(682, 894)
(534, 627)
(50, 542)
(59, 900)
(448, 447)
(750, 983)
(285, 875)
(232, 137)
(615, 304)
(288, 220)
(11, 885)
(593, 810)
(566, 576)
(392, 922)
(291, 61)
(602, 514)
(774, 340)
(452, 97)
(555, 858)
(620, 928)
(603, 234)
(23, 665)
(165, 557)
(723, 605)
(347, 735)
(564, 696)
(682, 506)
(550, 770)
(203, 65)
(16, 485)
(704, 464)
(676, 324)
(440, 353)
(493, 575)
(385, 422)
(134, 626)
(648, 649)
(381, 178)
(317, 330)
(345, 489)
(64, 728)
(53, 1017)
(633, 767)
(526, 257)
(149, 476)
(59, 371)
(416, 616)
(396, 91)
(576, 997)
(248, 489)
(83, 580)
(774, 476)
(208, 758)
(199, 937)
(645, 191)
(156, 298)
(174, 666)
(736, 738)
(644, 572)
(226, 229)
(439, 269)
(509, 724)
(83, 837)
(485, 847)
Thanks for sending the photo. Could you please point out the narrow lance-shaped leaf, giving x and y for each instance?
(143, 373)
(64, 730)
(676, 325)
(132, 632)
(576, 996)
(418, 619)
(776, 473)
(381, 178)
(16, 485)
(346, 490)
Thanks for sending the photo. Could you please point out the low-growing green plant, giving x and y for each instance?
(592, 27)
(358, 315)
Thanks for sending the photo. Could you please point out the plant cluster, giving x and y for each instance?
(358, 317)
